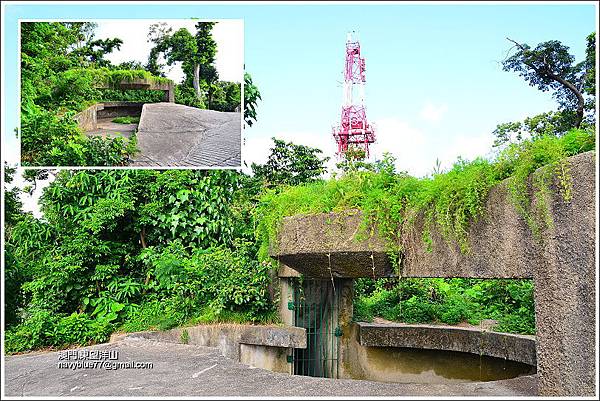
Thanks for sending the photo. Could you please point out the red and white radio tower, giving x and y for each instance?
(354, 131)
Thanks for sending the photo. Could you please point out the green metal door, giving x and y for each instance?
(316, 308)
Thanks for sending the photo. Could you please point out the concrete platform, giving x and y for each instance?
(186, 370)
(108, 129)
(173, 135)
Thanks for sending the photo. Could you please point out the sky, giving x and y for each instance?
(435, 88)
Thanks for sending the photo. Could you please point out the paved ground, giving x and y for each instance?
(186, 370)
(108, 129)
(173, 135)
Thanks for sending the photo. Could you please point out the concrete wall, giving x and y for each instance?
(262, 346)
(87, 119)
(563, 266)
(326, 245)
(141, 83)
(265, 357)
(120, 109)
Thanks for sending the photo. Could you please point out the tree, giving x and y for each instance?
(13, 274)
(195, 52)
(93, 52)
(207, 50)
(251, 98)
(109, 242)
(550, 66)
(550, 123)
(58, 61)
(290, 164)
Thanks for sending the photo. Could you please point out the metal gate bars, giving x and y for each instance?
(316, 309)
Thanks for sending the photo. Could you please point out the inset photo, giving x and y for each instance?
(134, 93)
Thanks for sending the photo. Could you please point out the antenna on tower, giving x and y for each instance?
(354, 131)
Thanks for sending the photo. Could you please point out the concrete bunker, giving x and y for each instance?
(96, 118)
(562, 266)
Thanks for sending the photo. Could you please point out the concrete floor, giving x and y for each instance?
(108, 129)
(186, 370)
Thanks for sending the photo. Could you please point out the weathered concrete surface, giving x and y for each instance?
(186, 370)
(87, 119)
(265, 357)
(173, 135)
(228, 337)
(513, 347)
(501, 246)
(325, 245)
(565, 274)
(96, 120)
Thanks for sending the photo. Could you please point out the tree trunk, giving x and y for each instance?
(572, 88)
(548, 72)
(197, 80)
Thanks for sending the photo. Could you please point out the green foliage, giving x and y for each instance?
(62, 68)
(251, 98)
(555, 123)
(448, 301)
(187, 96)
(45, 329)
(133, 95)
(219, 277)
(290, 164)
(590, 64)
(14, 274)
(224, 96)
(132, 249)
(126, 120)
(519, 161)
(50, 140)
(185, 337)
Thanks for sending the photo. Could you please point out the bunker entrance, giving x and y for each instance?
(316, 307)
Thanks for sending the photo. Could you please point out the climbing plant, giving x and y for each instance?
(449, 201)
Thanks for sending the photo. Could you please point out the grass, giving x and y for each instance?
(126, 120)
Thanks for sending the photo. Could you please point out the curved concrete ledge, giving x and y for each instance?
(514, 347)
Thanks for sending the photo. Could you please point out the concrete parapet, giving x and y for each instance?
(87, 119)
(514, 347)
(326, 245)
(261, 346)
